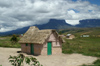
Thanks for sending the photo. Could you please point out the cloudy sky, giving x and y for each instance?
(16, 14)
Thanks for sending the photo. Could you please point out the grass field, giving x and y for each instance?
(5, 42)
(84, 45)
(87, 46)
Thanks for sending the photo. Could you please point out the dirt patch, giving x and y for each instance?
(51, 60)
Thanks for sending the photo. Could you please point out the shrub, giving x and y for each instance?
(14, 38)
(18, 60)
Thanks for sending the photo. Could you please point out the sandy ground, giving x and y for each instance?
(52, 60)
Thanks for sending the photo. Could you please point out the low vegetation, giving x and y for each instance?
(87, 46)
(14, 39)
(84, 45)
(21, 59)
(6, 42)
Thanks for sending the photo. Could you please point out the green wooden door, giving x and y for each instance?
(49, 48)
(32, 48)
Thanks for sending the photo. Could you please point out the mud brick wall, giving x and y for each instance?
(37, 49)
(25, 49)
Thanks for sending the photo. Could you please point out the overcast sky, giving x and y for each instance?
(16, 14)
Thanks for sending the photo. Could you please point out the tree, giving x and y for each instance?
(14, 38)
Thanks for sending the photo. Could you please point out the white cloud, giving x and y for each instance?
(72, 22)
(16, 14)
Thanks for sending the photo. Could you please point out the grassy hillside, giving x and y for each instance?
(84, 45)
(80, 31)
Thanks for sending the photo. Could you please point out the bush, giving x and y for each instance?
(14, 38)
(18, 60)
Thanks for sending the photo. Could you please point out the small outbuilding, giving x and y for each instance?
(85, 35)
(70, 36)
(41, 42)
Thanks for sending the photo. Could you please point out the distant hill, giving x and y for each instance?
(94, 32)
(89, 23)
(52, 24)
(18, 31)
(55, 24)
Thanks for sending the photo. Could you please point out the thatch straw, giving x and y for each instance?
(36, 36)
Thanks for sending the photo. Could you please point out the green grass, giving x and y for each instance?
(5, 42)
(86, 46)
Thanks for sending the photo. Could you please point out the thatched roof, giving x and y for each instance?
(34, 35)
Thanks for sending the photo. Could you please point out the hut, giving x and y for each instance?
(41, 42)
(70, 36)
